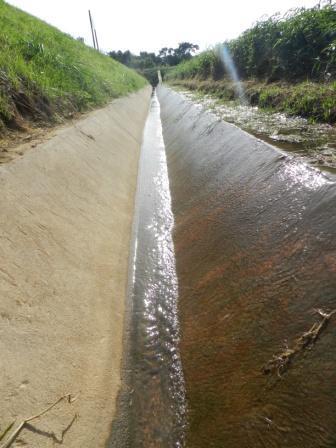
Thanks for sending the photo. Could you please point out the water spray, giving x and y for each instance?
(225, 57)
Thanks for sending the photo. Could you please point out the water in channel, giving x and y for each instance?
(313, 143)
(156, 401)
(255, 244)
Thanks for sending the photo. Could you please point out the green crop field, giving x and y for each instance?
(45, 73)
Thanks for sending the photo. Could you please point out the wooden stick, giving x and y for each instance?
(17, 431)
(9, 427)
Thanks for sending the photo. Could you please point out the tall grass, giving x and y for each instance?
(300, 45)
(45, 70)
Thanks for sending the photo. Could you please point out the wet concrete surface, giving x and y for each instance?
(152, 408)
(255, 249)
(313, 143)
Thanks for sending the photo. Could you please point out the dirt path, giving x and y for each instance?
(66, 213)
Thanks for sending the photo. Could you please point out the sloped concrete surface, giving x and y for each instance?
(66, 217)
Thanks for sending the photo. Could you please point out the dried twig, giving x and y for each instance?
(280, 363)
(6, 431)
(22, 424)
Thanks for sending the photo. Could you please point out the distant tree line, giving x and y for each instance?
(165, 57)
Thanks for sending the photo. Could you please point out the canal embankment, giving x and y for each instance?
(66, 221)
(314, 101)
(312, 143)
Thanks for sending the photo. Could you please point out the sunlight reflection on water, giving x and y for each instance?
(314, 143)
(158, 403)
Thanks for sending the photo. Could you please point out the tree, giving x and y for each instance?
(185, 50)
(122, 57)
(173, 56)
(166, 56)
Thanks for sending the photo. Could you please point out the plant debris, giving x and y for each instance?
(25, 422)
(281, 362)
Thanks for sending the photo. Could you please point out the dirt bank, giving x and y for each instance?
(66, 213)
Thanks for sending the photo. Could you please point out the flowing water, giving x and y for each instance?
(155, 405)
(314, 143)
(250, 234)
(255, 244)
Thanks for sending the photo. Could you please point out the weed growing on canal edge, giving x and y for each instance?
(44, 72)
(311, 100)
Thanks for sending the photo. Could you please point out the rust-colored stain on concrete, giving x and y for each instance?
(255, 250)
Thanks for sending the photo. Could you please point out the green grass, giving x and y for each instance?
(44, 72)
(311, 100)
(285, 63)
(206, 65)
(298, 46)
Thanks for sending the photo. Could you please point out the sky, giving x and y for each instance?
(149, 25)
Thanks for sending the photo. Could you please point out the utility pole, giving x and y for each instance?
(92, 30)
(94, 33)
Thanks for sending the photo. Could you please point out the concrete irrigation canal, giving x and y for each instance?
(254, 240)
(208, 322)
(153, 412)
